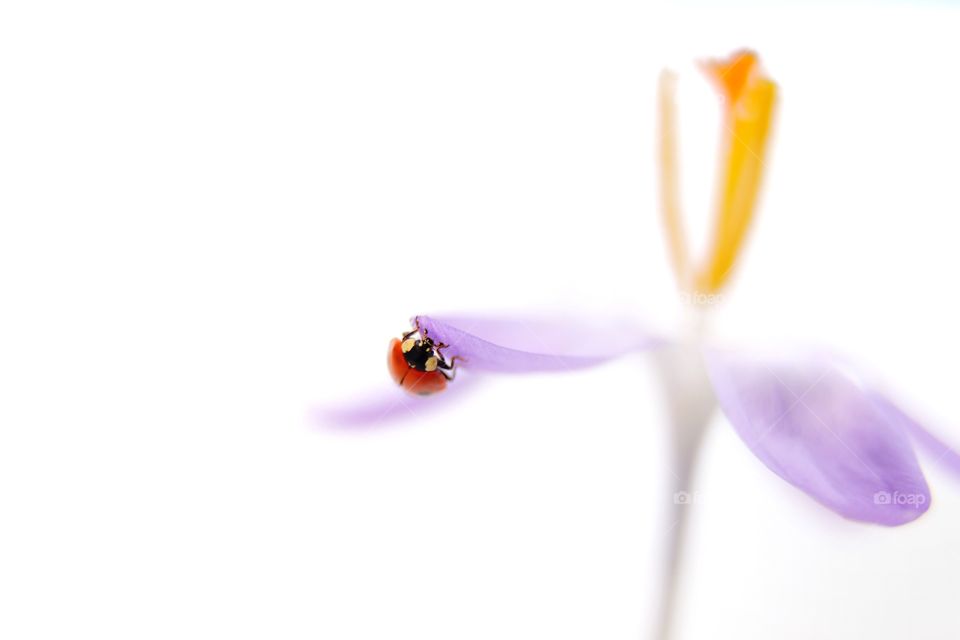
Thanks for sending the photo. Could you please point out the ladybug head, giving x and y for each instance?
(421, 354)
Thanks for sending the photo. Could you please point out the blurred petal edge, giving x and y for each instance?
(818, 428)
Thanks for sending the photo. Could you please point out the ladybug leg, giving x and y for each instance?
(416, 329)
(443, 366)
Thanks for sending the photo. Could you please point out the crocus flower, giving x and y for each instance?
(812, 419)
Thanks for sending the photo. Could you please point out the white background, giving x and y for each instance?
(213, 216)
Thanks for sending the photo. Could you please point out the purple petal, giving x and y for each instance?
(938, 451)
(520, 345)
(484, 344)
(388, 405)
(819, 429)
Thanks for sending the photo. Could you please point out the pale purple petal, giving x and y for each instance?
(820, 429)
(519, 344)
(388, 405)
(529, 344)
(938, 451)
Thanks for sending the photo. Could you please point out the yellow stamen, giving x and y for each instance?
(749, 101)
(669, 181)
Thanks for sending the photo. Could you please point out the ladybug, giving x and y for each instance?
(417, 365)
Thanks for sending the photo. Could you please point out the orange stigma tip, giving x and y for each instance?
(731, 75)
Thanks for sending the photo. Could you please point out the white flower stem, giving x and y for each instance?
(690, 403)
